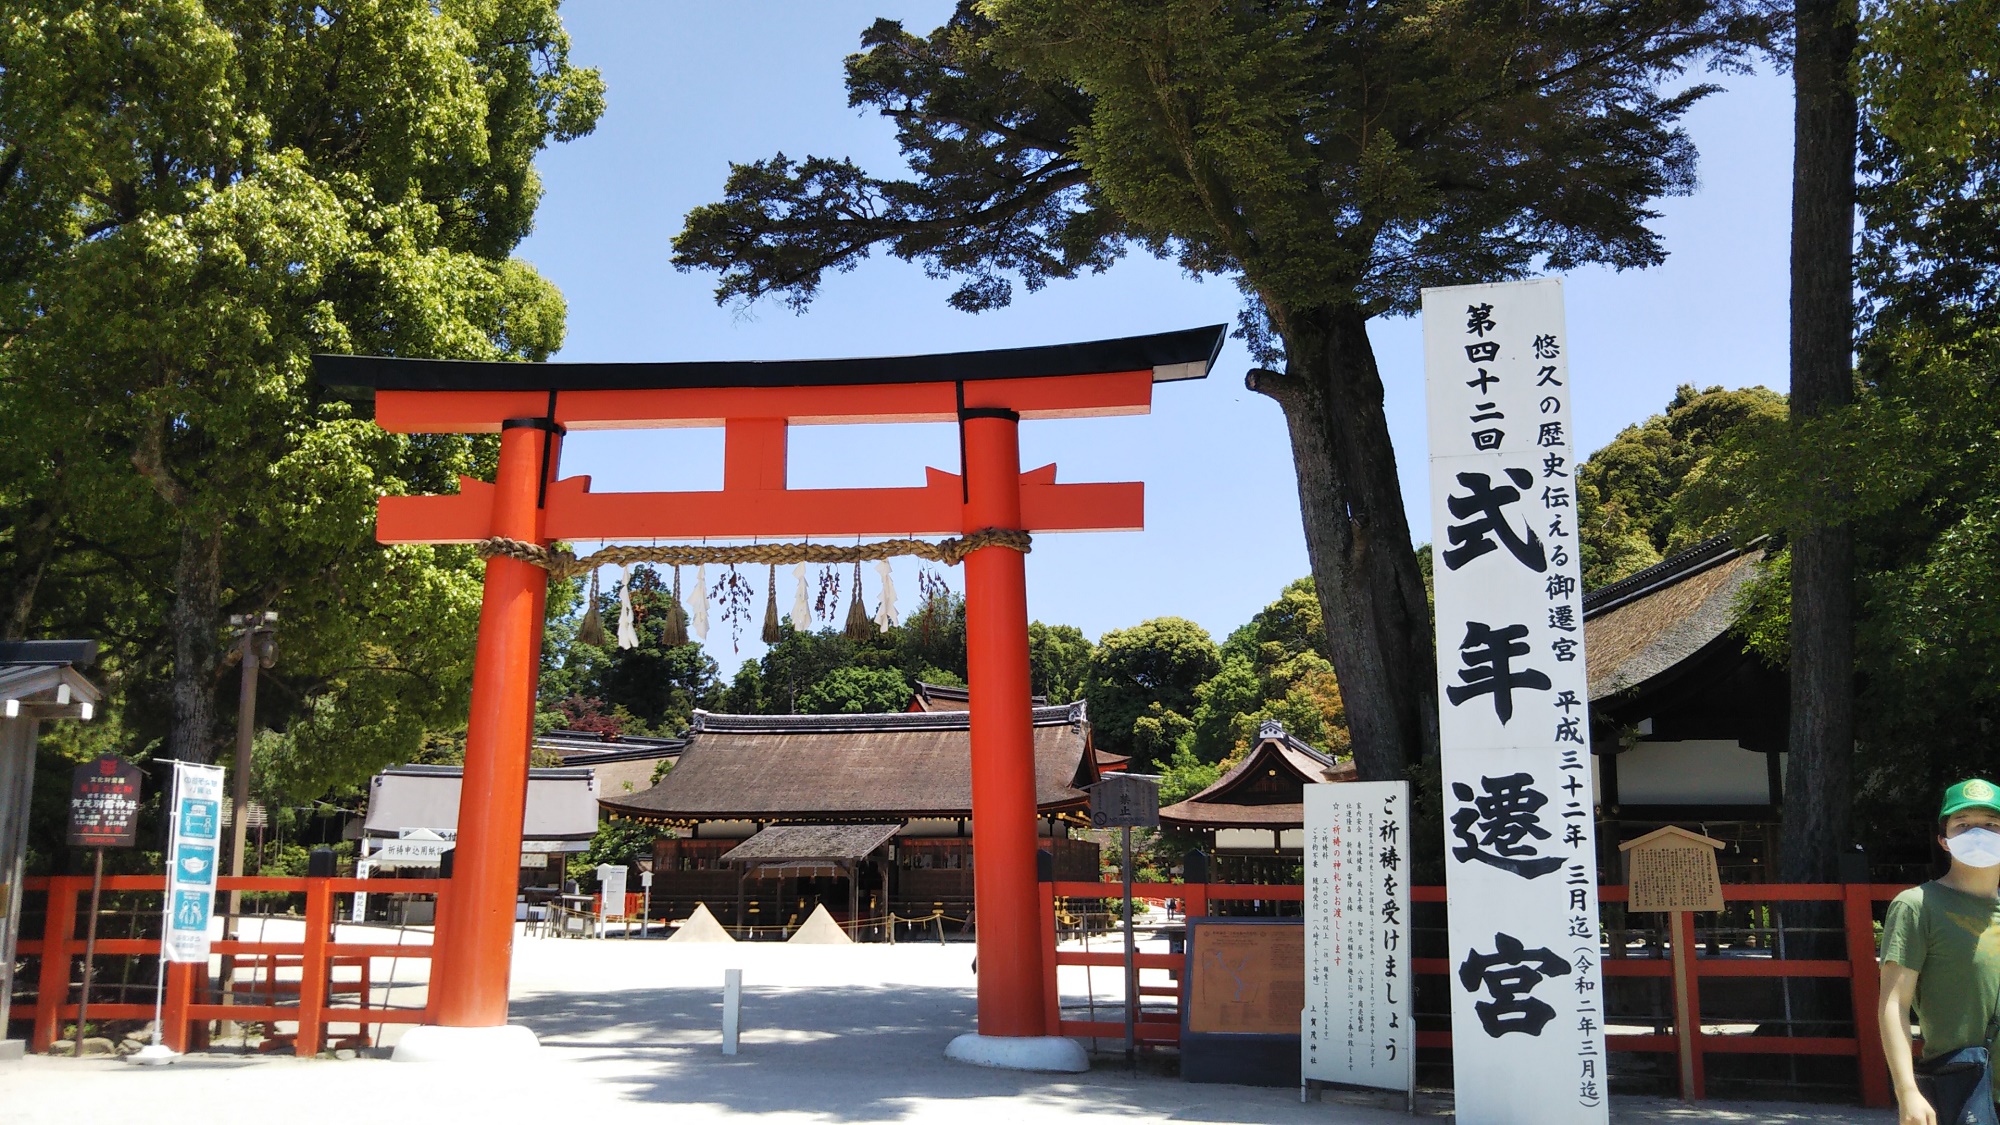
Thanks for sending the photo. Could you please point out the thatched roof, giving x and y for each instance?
(812, 841)
(1264, 790)
(1644, 625)
(851, 768)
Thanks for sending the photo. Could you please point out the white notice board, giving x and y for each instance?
(1527, 1006)
(1358, 1027)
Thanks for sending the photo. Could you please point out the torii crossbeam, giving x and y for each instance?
(532, 405)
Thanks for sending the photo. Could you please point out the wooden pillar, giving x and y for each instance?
(472, 967)
(1687, 1007)
(1864, 972)
(1011, 984)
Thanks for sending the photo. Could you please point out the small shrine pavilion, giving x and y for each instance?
(1251, 821)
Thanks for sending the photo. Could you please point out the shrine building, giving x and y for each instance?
(775, 814)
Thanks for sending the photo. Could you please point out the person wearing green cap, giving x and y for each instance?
(1941, 956)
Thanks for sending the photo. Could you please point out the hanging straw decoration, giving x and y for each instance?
(590, 630)
(734, 593)
(675, 629)
(698, 616)
(827, 605)
(857, 610)
(628, 635)
(802, 609)
(771, 633)
(885, 614)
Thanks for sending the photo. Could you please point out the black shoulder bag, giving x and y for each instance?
(1959, 1085)
(1950, 1084)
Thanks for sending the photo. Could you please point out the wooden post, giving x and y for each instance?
(1004, 821)
(1866, 987)
(1687, 1007)
(89, 947)
(58, 931)
(174, 1030)
(313, 968)
(1051, 991)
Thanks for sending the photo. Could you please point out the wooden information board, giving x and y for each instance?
(1241, 998)
(1248, 979)
(1673, 869)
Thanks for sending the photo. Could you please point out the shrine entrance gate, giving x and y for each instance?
(533, 405)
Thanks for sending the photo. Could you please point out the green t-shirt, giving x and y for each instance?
(1952, 940)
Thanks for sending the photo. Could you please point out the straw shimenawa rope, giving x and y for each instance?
(561, 563)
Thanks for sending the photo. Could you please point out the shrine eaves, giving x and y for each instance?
(755, 402)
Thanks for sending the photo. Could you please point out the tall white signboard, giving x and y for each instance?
(1520, 846)
(1357, 1027)
(193, 850)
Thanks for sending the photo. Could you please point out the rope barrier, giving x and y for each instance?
(560, 562)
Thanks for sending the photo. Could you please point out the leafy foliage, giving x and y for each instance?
(1628, 510)
(1141, 687)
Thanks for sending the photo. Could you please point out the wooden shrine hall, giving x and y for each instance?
(866, 814)
(521, 519)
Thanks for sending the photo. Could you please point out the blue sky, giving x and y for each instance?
(692, 87)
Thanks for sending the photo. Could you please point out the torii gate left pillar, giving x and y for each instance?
(533, 405)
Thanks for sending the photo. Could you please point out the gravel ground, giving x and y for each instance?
(831, 1034)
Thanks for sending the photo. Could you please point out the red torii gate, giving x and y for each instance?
(532, 405)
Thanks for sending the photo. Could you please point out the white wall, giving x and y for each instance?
(1696, 772)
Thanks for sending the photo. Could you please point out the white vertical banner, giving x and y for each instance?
(1358, 1026)
(193, 853)
(1520, 841)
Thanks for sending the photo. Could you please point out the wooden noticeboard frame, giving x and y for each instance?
(1241, 995)
(1673, 870)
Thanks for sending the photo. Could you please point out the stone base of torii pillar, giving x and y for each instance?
(436, 1044)
(1048, 1053)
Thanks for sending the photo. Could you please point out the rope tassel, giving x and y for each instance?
(771, 633)
(857, 610)
(885, 614)
(676, 628)
(590, 630)
(628, 635)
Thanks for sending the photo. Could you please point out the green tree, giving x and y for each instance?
(200, 195)
(1912, 458)
(1058, 661)
(1141, 686)
(856, 691)
(1628, 494)
(1331, 159)
(1273, 667)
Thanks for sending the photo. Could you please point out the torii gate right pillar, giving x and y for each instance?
(1004, 821)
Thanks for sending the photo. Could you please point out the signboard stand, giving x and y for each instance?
(1127, 801)
(1358, 1026)
(193, 843)
(1527, 1011)
(1674, 870)
(103, 813)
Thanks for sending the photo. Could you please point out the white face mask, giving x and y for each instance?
(1975, 847)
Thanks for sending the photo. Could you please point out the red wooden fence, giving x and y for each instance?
(1859, 968)
(316, 956)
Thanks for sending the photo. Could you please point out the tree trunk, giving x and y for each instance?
(1818, 796)
(1371, 593)
(194, 620)
(34, 548)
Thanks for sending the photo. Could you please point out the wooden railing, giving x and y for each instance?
(316, 956)
(1859, 968)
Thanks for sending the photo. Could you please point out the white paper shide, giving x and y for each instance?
(1358, 1026)
(1514, 723)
